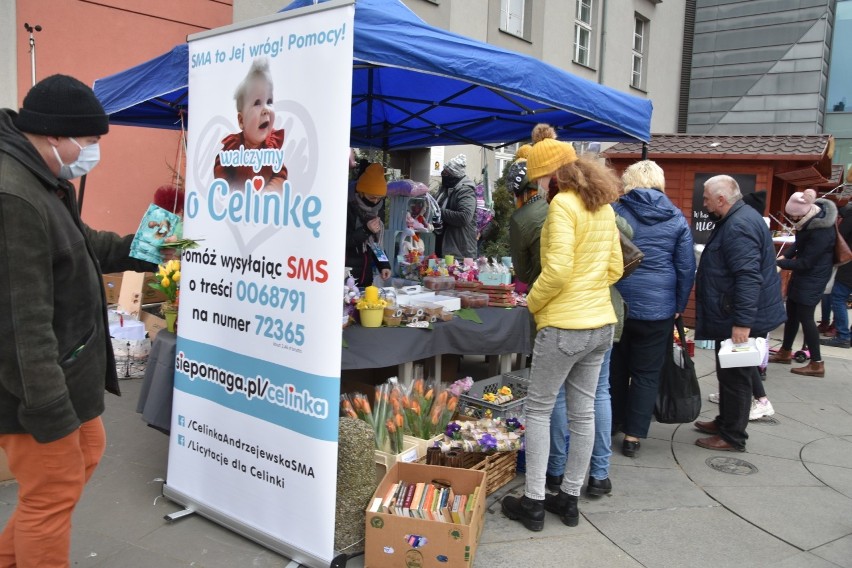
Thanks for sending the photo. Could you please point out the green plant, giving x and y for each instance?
(495, 242)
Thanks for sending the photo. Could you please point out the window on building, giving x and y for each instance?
(640, 50)
(839, 98)
(512, 17)
(503, 157)
(583, 32)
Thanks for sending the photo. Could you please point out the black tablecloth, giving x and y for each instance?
(155, 398)
(501, 331)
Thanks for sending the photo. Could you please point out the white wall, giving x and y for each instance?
(8, 65)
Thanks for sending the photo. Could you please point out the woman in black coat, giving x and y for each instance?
(810, 259)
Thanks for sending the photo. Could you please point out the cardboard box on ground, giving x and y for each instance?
(438, 545)
(136, 298)
(115, 283)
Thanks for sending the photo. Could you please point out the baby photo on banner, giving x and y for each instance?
(257, 371)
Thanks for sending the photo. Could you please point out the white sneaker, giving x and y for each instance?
(760, 409)
(714, 398)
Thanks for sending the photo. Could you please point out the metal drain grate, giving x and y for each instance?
(733, 466)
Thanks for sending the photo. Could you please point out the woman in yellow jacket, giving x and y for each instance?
(580, 260)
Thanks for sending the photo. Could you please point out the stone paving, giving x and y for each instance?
(785, 503)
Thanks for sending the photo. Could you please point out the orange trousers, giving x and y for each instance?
(50, 479)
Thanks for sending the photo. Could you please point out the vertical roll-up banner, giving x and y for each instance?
(257, 373)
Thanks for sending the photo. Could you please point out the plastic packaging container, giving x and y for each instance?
(439, 282)
(474, 300)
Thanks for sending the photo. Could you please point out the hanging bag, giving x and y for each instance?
(630, 254)
(679, 397)
(842, 253)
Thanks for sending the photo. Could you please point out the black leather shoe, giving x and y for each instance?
(565, 506)
(599, 486)
(629, 448)
(528, 511)
(553, 482)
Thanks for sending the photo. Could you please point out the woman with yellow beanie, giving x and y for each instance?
(365, 228)
(580, 260)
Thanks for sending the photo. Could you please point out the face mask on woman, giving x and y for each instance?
(85, 162)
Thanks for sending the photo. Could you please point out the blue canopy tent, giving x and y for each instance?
(152, 94)
(415, 86)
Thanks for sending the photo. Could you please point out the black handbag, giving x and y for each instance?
(630, 254)
(679, 397)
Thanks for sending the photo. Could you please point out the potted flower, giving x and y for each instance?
(168, 281)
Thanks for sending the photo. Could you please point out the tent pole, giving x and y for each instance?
(370, 103)
(644, 150)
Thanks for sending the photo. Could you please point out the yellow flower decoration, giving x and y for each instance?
(167, 278)
(363, 305)
(505, 391)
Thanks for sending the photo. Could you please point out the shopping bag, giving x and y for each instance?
(630, 254)
(679, 397)
(842, 253)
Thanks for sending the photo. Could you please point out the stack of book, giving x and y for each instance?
(429, 501)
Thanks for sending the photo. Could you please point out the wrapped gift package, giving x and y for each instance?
(748, 354)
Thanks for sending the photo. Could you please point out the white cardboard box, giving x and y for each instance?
(742, 355)
(449, 303)
(408, 299)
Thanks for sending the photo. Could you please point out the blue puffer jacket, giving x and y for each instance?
(660, 287)
(737, 284)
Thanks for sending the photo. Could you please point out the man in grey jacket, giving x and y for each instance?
(457, 199)
(55, 357)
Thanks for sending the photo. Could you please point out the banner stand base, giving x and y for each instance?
(264, 539)
(178, 515)
(340, 560)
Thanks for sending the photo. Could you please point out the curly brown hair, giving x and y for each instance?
(595, 182)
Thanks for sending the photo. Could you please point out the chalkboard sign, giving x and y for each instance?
(702, 225)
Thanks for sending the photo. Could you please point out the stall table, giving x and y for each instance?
(502, 332)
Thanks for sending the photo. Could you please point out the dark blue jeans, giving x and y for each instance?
(838, 303)
(635, 373)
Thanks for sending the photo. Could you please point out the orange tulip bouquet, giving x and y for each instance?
(414, 410)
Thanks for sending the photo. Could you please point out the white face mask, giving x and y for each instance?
(86, 161)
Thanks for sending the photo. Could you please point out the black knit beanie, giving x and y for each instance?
(60, 105)
(517, 178)
(757, 199)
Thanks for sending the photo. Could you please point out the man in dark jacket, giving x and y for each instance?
(738, 295)
(842, 287)
(457, 198)
(55, 357)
